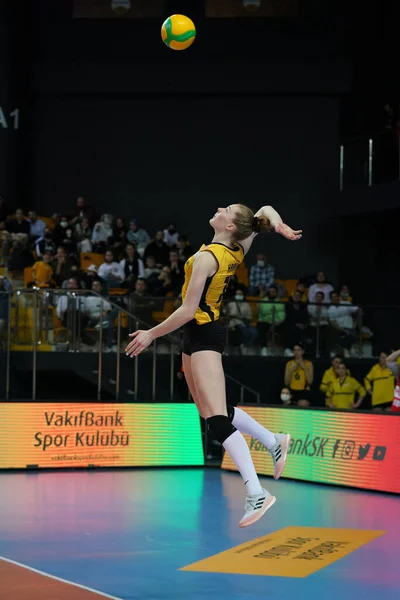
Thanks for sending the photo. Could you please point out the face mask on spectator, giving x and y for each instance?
(239, 297)
(64, 223)
(107, 221)
(285, 397)
(261, 263)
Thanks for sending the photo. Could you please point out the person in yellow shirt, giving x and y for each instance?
(42, 271)
(343, 390)
(299, 375)
(330, 376)
(379, 383)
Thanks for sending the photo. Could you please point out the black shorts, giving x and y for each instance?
(210, 336)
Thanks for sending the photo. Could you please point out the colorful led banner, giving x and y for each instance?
(356, 450)
(102, 435)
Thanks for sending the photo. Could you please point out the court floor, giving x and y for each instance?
(128, 534)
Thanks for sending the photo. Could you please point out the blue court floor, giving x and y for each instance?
(127, 533)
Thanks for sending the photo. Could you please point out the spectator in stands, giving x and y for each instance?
(18, 230)
(70, 244)
(42, 271)
(345, 295)
(110, 271)
(71, 312)
(45, 243)
(5, 286)
(90, 276)
(81, 210)
(301, 287)
(321, 285)
(393, 362)
(341, 318)
(151, 270)
(164, 284)
(271, 316)
(343, 390)
(131, 267)
(299, 376)
(59, 231)
(379, 384)
(138, 235)
(139, 303)
(262, 274)
(118, 241)
(76, 273)
(185, 250)
(296, 322)
(170, 235)
(19, 224)
(239, 316)
(21, 257)
(61, 267)
(37, 226)
(102, 232)
(330, 375)
(83, 234)
(319, 324)
(177, 271)
(96, 307)
(5, 243)
(159, 249)
(286, 396)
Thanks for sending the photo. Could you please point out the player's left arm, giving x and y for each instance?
(268, 215)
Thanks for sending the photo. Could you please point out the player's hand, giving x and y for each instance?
(141, 340)
(288, 232)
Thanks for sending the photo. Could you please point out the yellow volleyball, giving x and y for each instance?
(178, 32)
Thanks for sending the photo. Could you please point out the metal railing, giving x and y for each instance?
(35, 320)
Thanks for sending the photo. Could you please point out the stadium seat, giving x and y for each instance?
(91, 258)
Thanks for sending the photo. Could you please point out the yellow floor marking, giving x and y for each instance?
(289, 552)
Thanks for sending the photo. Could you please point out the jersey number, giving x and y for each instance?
(227, 279)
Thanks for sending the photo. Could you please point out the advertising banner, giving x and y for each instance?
(64, 435)
(356, 450)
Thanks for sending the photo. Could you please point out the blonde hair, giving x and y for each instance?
(246, 223)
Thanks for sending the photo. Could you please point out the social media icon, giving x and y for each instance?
(348, 449)
(363, 451)
(379, 453)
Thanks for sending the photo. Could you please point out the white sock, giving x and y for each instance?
(246, 424)
(238, 450)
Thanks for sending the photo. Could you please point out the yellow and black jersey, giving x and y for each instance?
(382, 381)
(298, 380)
(228, 260)
(343, 394)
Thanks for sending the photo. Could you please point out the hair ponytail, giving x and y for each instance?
(246, 223)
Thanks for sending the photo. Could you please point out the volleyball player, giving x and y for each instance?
(207, 275)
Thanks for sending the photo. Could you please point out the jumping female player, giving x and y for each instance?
(207, 275)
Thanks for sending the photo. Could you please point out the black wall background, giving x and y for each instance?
(250, 113)
(161, 159)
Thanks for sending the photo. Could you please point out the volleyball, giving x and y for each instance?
(178, 32)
